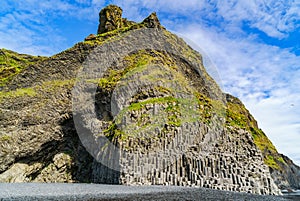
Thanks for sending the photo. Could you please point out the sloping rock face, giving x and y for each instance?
(11, 63)
(283, 171)
(152, 21)
(287, 174)
(132, 105)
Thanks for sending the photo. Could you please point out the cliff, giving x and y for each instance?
(283, 171)
(131, 105)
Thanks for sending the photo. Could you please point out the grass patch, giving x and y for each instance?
(30, 92)
(238, 116)
(112, 35)
(37, 91)
(173, 112)
(270, 161)
(12, 63)
(209, 108)
(134, 63)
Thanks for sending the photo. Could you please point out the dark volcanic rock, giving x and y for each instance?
(199, 138)
(90, 37)
(288, 175)
(283, 171)
(152, 21)
(110, 19)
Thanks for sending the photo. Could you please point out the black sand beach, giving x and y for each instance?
(93, 192)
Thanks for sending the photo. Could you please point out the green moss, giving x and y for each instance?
(5, 138)
(138, 62)
(37, 91)
(142, 104)
(209, 108)
(270, 161)
(18, 93)
(238, 116)
(113, 132)
(281, 160)
(271, 156)
(109, 83)
(134, 63)
(172, 112)
(262, 141)
(12, 63)
(113, 35)
(163, 90)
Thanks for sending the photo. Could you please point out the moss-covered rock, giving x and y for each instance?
(280, 166)
(110, 18)
(176, 106)
(12, 63)
(239, 116)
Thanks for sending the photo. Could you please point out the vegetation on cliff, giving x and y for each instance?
(12, 63)
(39, 108)
(238, 116)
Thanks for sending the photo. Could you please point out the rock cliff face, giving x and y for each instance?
(131, 105)
(283, 171)
(287, 174)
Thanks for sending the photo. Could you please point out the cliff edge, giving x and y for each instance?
(131, 105)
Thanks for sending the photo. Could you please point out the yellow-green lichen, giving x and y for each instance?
(30, 92)
(37, 91)
(113, 35)
(12, 63)
(5, 138)
(238, 116)
(172, 113)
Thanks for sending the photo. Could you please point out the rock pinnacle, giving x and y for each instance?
(110, 18)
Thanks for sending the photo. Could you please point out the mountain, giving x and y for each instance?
(131, 105)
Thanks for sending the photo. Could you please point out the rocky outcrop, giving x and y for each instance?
(110, 18)
(90, 37)
(12, 63)
(287, 176)
(163, 118)
(224, 167)
(152, 21)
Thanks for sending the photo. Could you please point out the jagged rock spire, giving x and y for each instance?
(110, 18)
(152, 21)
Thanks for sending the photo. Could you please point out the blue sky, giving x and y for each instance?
(254, 46)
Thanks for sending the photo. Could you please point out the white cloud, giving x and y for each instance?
(26, 33)
(27, 25)
(279, 117)
(273, 17)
